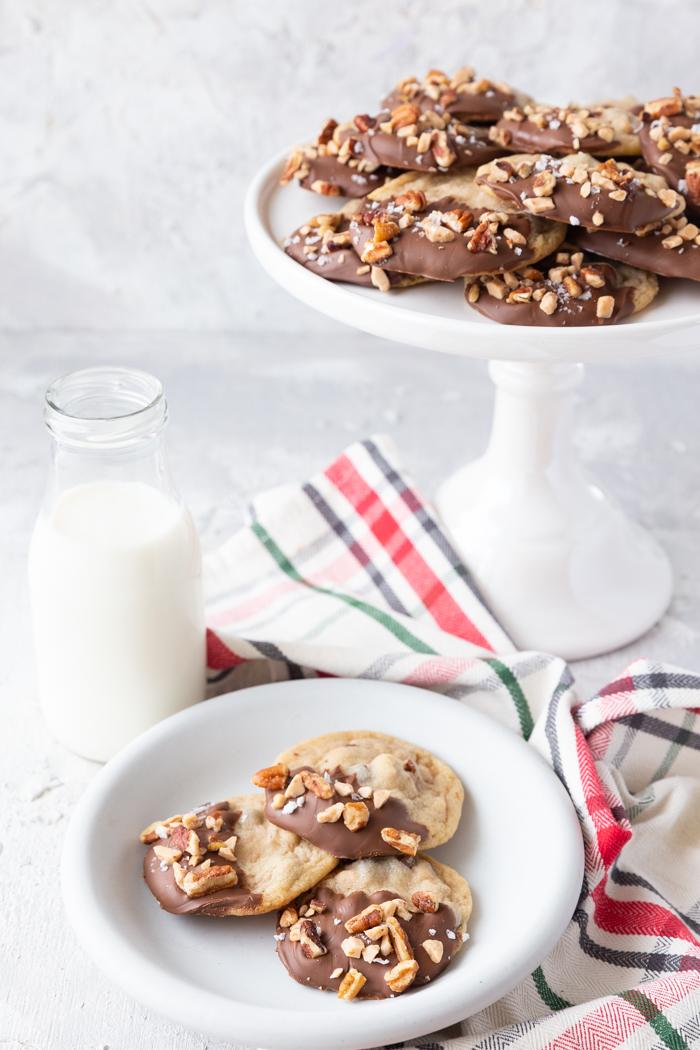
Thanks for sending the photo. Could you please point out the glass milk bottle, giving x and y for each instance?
(114, 567)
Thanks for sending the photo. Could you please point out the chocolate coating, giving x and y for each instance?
(674, 170)
(340, 264)
(389, 149)
(160, 879)
(414, 253)
(337, 839)
(570, 313)
(480, 108)
(526, 137)
(317, 972)
(646, 252)
(637, 210)
(350, 181)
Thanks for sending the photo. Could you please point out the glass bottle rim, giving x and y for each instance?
(105, 407)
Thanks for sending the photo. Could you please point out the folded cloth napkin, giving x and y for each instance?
(350, 575)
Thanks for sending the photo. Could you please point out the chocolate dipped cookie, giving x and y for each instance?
(330, 167)
(672, 251)
(362, 794)
(443, 227)
(408, 138)
(607, 131)
(227, 859)
(670, 141)
(583, 192)
(324, 246)
(568, 290)
(473, 99)
(376, 928)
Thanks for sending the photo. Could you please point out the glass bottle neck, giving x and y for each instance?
(107, 425)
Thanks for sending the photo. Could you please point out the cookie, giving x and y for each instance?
(569, 290)
(376, 928)
(244, 865)
(672, 251)
(407, 138)
(670, 141)
(473, 99)
(324, 246)
(363, 794)
(438, 227)
(327, 166)
(580, 190)
(606, 131)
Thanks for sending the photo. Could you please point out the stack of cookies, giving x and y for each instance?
(332, 845)
(551, 216)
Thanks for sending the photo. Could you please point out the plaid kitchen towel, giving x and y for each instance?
(350, 575)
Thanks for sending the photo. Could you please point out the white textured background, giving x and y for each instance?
(128, 132)
(130, 128)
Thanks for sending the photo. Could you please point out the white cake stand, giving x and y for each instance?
(560, 564)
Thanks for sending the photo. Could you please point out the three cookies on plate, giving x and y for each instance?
(333, 844)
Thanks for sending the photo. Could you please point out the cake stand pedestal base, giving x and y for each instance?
(560, 564)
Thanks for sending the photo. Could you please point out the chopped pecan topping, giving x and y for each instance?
(573, 287)
(376, 933)
(352, 946)
(336, 973)
(278, 801)
(501, 171)
(402, 975)
(166, 855)
(294, 162)
(545, 183)
(425, 901)
(458, 220)
(403, 115)
(434, 950)
(374, 252)
(330, 815)
(288, 917)
(692, 181)
(514, 237)
(227, 850)
(371, 916)
(402, 945)
(150, 834)
(199, 883)
(295, 787)
(273, 777)
(380, 797)
(364, 792)
(370, 952)
(384, 230)
(444, 155)
(351, 984)
(316, 783)
(316, 906)
(605, 306)
(311, 944)
(356, 815)
(536, 205)
(411, 200)
(483, 239)
(405, 841)
(363, 122)
(342, 788)
(549, 303)
(326, 132)
(664, 107)
(592, 276)
(191, 821)
(435, 232)
(214, 822)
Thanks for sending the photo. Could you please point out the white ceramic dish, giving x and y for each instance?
(518, 844)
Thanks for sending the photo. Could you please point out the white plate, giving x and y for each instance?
(518, 844)
(435, 316)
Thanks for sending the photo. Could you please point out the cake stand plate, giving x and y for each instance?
(559, 563)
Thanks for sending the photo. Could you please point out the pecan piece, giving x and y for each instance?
(342, 788)
(311, 944)
(273, 777)
(288, 917)
(356, 815)
(380, 797)
(405, 114)
(405, 841)
(549, 303)
(664, 107)
(363, 122)
(326, 132)
(544, 184)
(425, 901)
(692, 181)
(435, 232)
(402, 975)
(316, 906)
(295, 787)
(434, 949)
(605, 306)
(227, 850)
(150, 834)
(316, 783)
(352, 946)
(294, 162)
(514, 237)
(351, 984)
(538, 204)
(199, 883)
(402, 945)
(384, 230)
(444, 156)
(327, 189)
(330, 815)
(501, 171)
(371, 916)
(592, 276)
(166, 855)
(214, 821)
(483, 240)
(374, 252)
(411, 200)
(458, 220)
